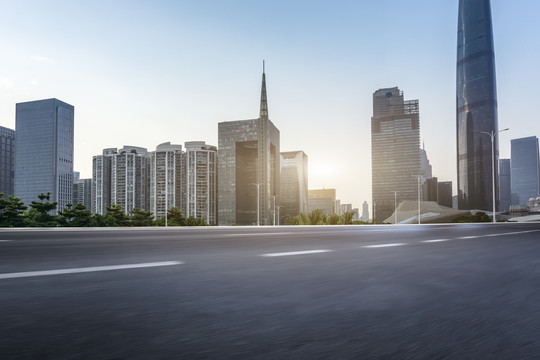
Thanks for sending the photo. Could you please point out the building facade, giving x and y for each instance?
(201, 181)
(293, 195)
(7, 161)
(129, 179)
(476, 108)
(323, 199)
(101, 181)
(444, 193)
(505, 185)
(525, 170)
(82, 192)
(248, 168)
(167, 179)
(44, 151)
(365, 212)
(395, 150)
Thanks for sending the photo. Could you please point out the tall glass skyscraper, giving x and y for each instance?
(44, 151)
(476, 105)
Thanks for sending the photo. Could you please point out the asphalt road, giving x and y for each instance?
(356, 292)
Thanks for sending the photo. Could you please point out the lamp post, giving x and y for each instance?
(274, 198)
(258, 215)
(395, 207)
(419, 195)
(492, 135)
(278, 214)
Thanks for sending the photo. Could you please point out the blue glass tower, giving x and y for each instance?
(476, 106)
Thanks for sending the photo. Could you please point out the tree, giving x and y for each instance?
(347, 218)
(77, 216)
(11, 211)
(293, 220)
(115, 216)
(141, 218)
(333, 219)
(39, 214)
(316, 217)
(192, 221)
(174, 218)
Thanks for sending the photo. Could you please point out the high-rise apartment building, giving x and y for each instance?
(505, 185)
(7, 161)
(293, 195)
(476, 106)
(201, 181)
(101, 181)
(167, 179)
(248, 166)
(82, 191)
(395, 150)
(44, 151)
(525, 170)
(129, 178)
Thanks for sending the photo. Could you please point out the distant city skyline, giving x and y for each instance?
(130, 85)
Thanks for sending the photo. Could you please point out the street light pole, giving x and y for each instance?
(274, 198)
(492, 135)
(258, 215)
(395, 207)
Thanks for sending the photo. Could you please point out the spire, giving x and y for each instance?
(264, 102)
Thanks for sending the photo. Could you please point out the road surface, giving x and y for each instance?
(354, 292)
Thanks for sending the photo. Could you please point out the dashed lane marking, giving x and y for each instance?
(293, 253)
(468, 237)
(383, 245)
(435, 240)
(86, 269)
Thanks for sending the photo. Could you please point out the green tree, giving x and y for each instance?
(11, 211)
(174, 218)
(293, 220)
(141, 218)
(333, 219)
(39, 213)
(115, 216)
(192, 221)
(316, 217)
(76, 216)
(347, 218)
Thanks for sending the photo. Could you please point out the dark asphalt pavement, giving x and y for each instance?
(358, 292)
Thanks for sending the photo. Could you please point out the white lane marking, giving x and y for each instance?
(468, 237)
(383, 245)
(5, 240)
(87, 269)
(292, 253)
(259, 234)
(435, 240)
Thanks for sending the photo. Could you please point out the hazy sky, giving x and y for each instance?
(146, 72)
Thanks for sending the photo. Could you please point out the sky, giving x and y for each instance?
(147, 72)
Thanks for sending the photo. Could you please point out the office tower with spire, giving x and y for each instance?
(476, 108)
(248, 167)
(395, 151)
(44, 151)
